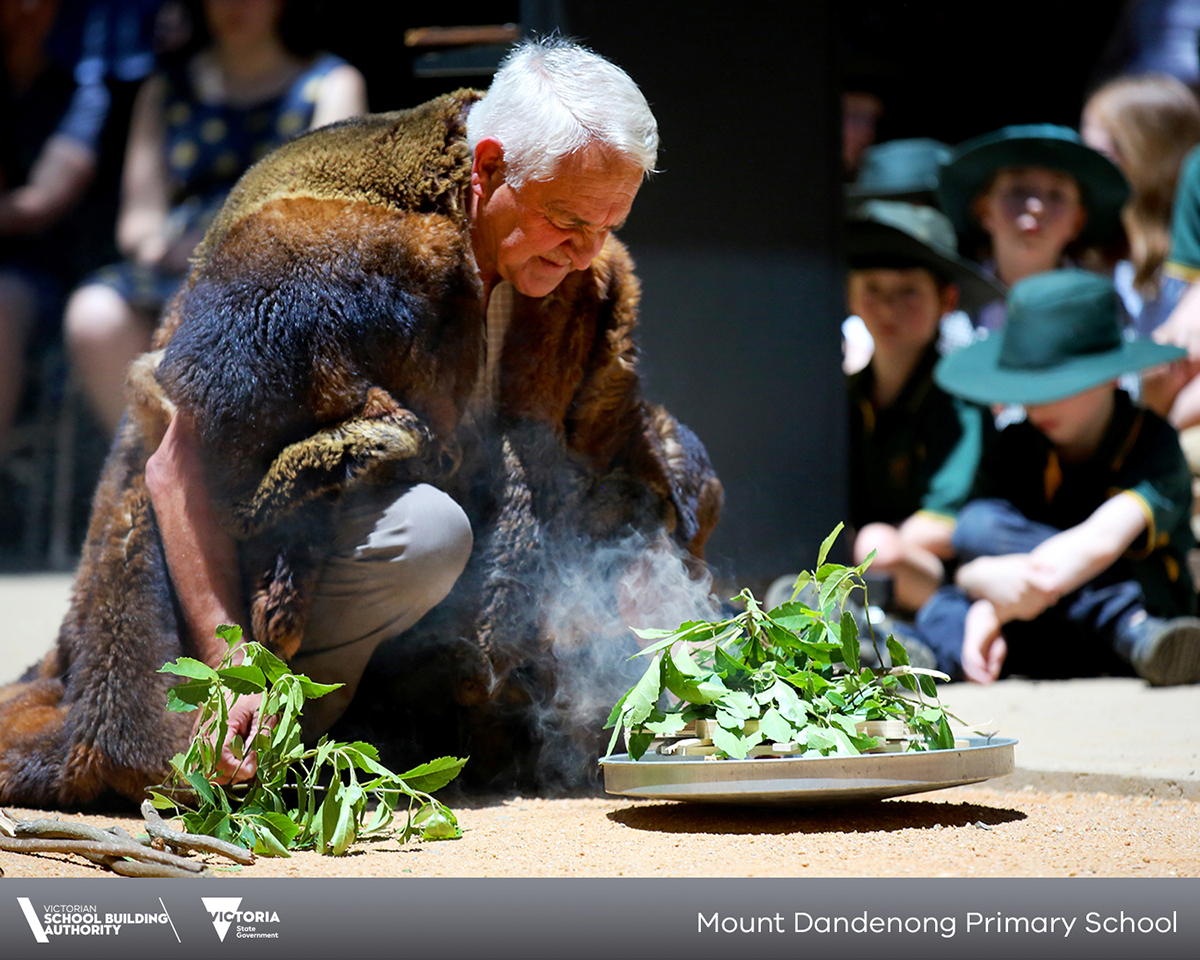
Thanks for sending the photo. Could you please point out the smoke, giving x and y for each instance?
(594, 593)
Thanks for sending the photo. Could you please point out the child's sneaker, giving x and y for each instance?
(1167, 652)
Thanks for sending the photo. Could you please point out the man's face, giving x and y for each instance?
(1032, 212)
(901, 308)
(1075, 425)
(535, 235)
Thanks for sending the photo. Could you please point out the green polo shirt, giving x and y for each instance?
(1183, 261)
(917, 454)
(1139, 455)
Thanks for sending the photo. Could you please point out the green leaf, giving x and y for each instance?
(731, 743)
(828, 542)
(794, 616)
(700, 691)
(186, 697)
(774, 727)
(432, 776)
(243, 679)
(313, 690)
(944, 738)
(849, 641)
(639, 742)
(336, 833)
(820, 739)
(897, 652)
(670, 724)
(438, 824)
(645, 694)
(187, 667)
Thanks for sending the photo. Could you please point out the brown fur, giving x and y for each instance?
(329, 336)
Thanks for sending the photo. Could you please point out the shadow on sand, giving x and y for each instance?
(878, 817)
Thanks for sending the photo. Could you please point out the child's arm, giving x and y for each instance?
(1013, 584)
(1022, 586)
(1070, 559)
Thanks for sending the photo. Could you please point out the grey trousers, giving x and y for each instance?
(397, 553)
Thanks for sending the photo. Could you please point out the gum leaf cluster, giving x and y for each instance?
(794, 669)
(300, 798)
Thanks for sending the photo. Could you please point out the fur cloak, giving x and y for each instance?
(330, 335)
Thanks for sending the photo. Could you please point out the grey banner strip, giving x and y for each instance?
(697, 919)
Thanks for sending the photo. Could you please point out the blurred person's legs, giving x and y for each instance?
(104, 333)
(397, 554)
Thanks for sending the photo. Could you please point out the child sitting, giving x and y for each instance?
(1074, 543)
(1034, 190)
(914, 449)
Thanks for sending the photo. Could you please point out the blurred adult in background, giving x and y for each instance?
(1154, 36)
(197, 125)
(1146, 125)
(50, 128)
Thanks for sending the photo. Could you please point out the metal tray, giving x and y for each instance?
(807, 781)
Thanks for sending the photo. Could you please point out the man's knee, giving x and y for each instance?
(421, 538)
(440, 544)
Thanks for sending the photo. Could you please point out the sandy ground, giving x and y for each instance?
(964, 832)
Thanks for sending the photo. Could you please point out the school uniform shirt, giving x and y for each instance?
(1183, 261)
(1139, 454)
(917, 454)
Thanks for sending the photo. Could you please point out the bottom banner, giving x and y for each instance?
(631, 918)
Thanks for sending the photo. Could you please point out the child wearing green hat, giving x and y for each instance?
(1074, 544)
(1033, 189)
(914, 448)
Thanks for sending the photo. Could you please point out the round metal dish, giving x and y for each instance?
(807, 781)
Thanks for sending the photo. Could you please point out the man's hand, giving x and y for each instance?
(1017, 586)
(245, 719)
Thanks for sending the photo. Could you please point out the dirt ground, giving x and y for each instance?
(964, 832)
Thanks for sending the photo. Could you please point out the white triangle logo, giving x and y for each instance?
(220, 908)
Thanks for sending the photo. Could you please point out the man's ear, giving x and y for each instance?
(487, 168)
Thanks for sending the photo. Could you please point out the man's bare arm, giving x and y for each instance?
(202, 560)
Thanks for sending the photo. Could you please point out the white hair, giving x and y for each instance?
(552, 98)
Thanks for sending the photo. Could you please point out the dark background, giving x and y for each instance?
(737, 238)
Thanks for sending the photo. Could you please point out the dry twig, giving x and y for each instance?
(115, 849)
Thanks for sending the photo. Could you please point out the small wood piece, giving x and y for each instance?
(705, 728)
(890, 746)
(669, 749)
(699, 750)
(885, 729)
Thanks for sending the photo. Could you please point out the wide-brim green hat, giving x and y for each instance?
(906, 169)
(1062, 336)
(1102, 186)
(892, 233)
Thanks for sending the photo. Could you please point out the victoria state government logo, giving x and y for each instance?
(226, 912)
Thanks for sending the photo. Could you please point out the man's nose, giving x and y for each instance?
(1034, 205)
(582, 249)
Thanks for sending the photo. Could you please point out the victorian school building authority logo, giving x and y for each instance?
(86, 920)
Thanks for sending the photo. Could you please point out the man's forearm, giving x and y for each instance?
(201, 557)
